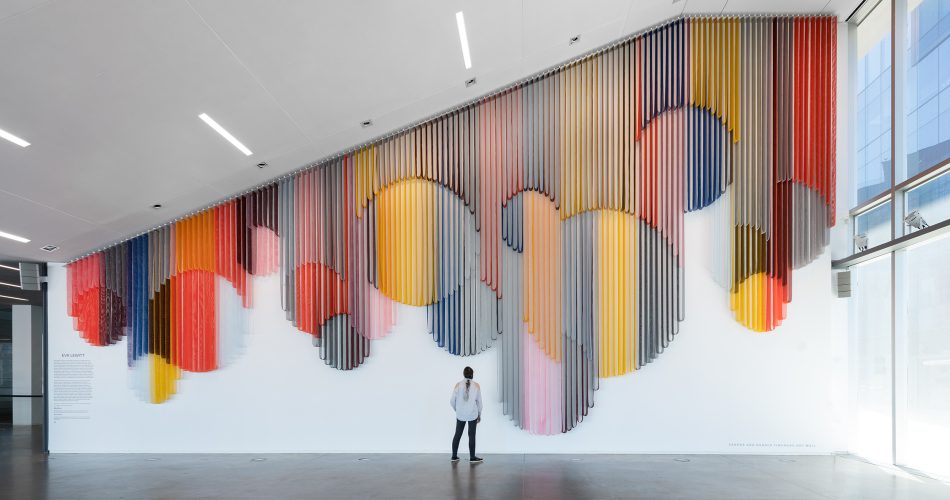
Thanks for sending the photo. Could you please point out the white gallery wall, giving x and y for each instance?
(718, 388)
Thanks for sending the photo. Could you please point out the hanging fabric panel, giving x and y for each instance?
(547, 218)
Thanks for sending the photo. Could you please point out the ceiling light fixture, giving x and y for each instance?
(574, 39)
(14, 237)
(861, 241)
(463, 37)
(9, 284)
(366, 123)
(262, 164)
(915, 220)
(157, 206)
(49, 248)
(14, 298)
(14, 139)
(17, 269)
(224, 133)
(470, 82)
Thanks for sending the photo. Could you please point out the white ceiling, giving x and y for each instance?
(109, 91)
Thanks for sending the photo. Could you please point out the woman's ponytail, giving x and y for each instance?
(468, 373)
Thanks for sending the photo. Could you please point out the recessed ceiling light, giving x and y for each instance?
(157, 206)
(470, 82)
(574, 39)
(49, 248)
(463, 37)
(224, 133)
(9, 284)
(17, 269)
(262, 164)
(14, 139)
(14, 298)
(14, 237)
(366, 123)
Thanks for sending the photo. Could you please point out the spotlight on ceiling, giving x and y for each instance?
(262, 164)
(574, 39)
(470, 82)
(366, 123)
(224, 133)
(156, 206)
(14, 237)
(861, 241)
(463, 37)
(49, 248)
(915, 220)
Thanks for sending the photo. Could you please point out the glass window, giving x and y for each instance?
(931, 199)
(873, 115)
(875, 224)
(870, 311)
(919, 289)
(927, 136)
(925, 299)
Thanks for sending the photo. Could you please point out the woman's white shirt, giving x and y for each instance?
(468, 409)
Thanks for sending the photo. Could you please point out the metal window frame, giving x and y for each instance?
(906, 185)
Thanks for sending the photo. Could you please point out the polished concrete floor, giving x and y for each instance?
(26, 472)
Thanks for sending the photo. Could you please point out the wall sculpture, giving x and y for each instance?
(546, 218)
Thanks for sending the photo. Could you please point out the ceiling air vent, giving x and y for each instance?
(50, 248)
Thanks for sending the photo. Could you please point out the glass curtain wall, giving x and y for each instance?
(900, 369)
(870, 318)
(927, 85)
(924, 298)
(872, 174)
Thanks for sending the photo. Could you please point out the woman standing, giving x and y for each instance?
(467, 403)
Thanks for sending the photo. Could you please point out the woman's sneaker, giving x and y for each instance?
(476, 460)
(455, 459)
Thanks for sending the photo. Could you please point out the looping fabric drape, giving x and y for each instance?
(549, 215)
